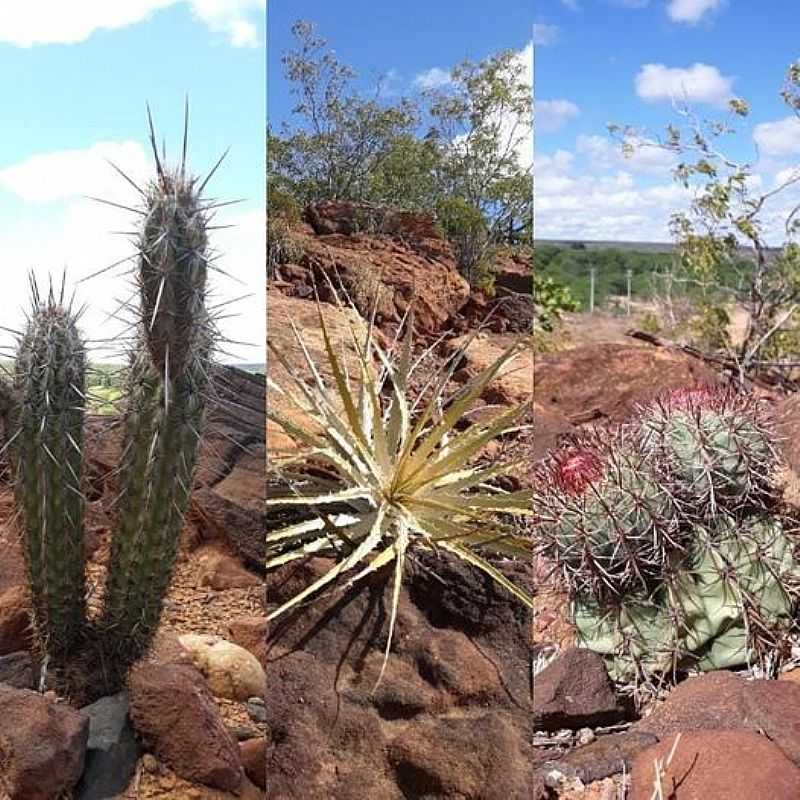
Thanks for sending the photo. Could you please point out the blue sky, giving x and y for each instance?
(75, 79)
(402, 40)
(600, 61)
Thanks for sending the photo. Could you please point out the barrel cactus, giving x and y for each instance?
(670, 536)
(718, 445)
(605, 518)
(168, 381)
(729, 603)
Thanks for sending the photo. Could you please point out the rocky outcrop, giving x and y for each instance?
(378, 255)
(457, 673)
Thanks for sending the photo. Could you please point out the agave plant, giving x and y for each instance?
(403, 469)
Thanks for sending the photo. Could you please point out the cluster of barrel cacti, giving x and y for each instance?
(167, 386)
(670, 534)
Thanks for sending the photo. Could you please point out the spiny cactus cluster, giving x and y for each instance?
(167, 386)
(670, 535)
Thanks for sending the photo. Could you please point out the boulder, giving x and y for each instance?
(42, 745)
(220, 571)
(112, 749)
(575, 691)
(716, 763)
(230, 670)
(254, 759)
(172, 710)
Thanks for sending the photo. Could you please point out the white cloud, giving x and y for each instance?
(603, 153)
(544, 34)
(690, 11)
(55, 227)
(48, 177)
(572, 5)
(55, 22)
(550, 115)
(700, 83)
(433, 78)
(778, 138)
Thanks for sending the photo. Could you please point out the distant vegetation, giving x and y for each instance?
(445, 151)
(570, 265)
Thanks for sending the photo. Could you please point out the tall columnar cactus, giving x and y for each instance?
(47, 458)
(605, 518)
(718, 445)
(167, 387)
(168, 382)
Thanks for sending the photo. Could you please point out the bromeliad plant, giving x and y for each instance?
(167, 387)
(670, 537)
(401, 468)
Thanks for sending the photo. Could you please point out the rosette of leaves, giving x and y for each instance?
(403, 469)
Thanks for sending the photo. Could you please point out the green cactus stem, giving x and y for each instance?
(47, 461)
(718, 445)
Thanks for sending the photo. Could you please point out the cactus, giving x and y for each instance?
(47, 458)
(605, 518)
(718, 446)
(730, 603)
(671, 538)
(168, 381)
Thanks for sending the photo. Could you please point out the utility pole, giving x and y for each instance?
(591, 289)
(629, 275)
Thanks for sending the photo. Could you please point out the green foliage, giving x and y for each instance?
(466, 229)
(727, 223)
(709, 328)
(401, 467)
(343, 138)
(550, 299)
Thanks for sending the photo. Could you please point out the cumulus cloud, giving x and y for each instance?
(700, 83)
(55, 227)
(39, 22)
(778, 138)
(690, 11)
(433, 78)
(554, 114)
(603, 153)
(544, 34)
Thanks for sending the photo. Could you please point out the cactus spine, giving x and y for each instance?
(47, 458)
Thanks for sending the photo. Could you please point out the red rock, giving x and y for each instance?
(15, 630)
(221, 571)
(254, 759)
(720, 763)
(574, 691)
(606, 381)
(251, 633)
(42, 745)
(172, 709)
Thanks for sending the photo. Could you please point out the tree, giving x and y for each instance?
(482, 122)
(344, 137)
(722, 237)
